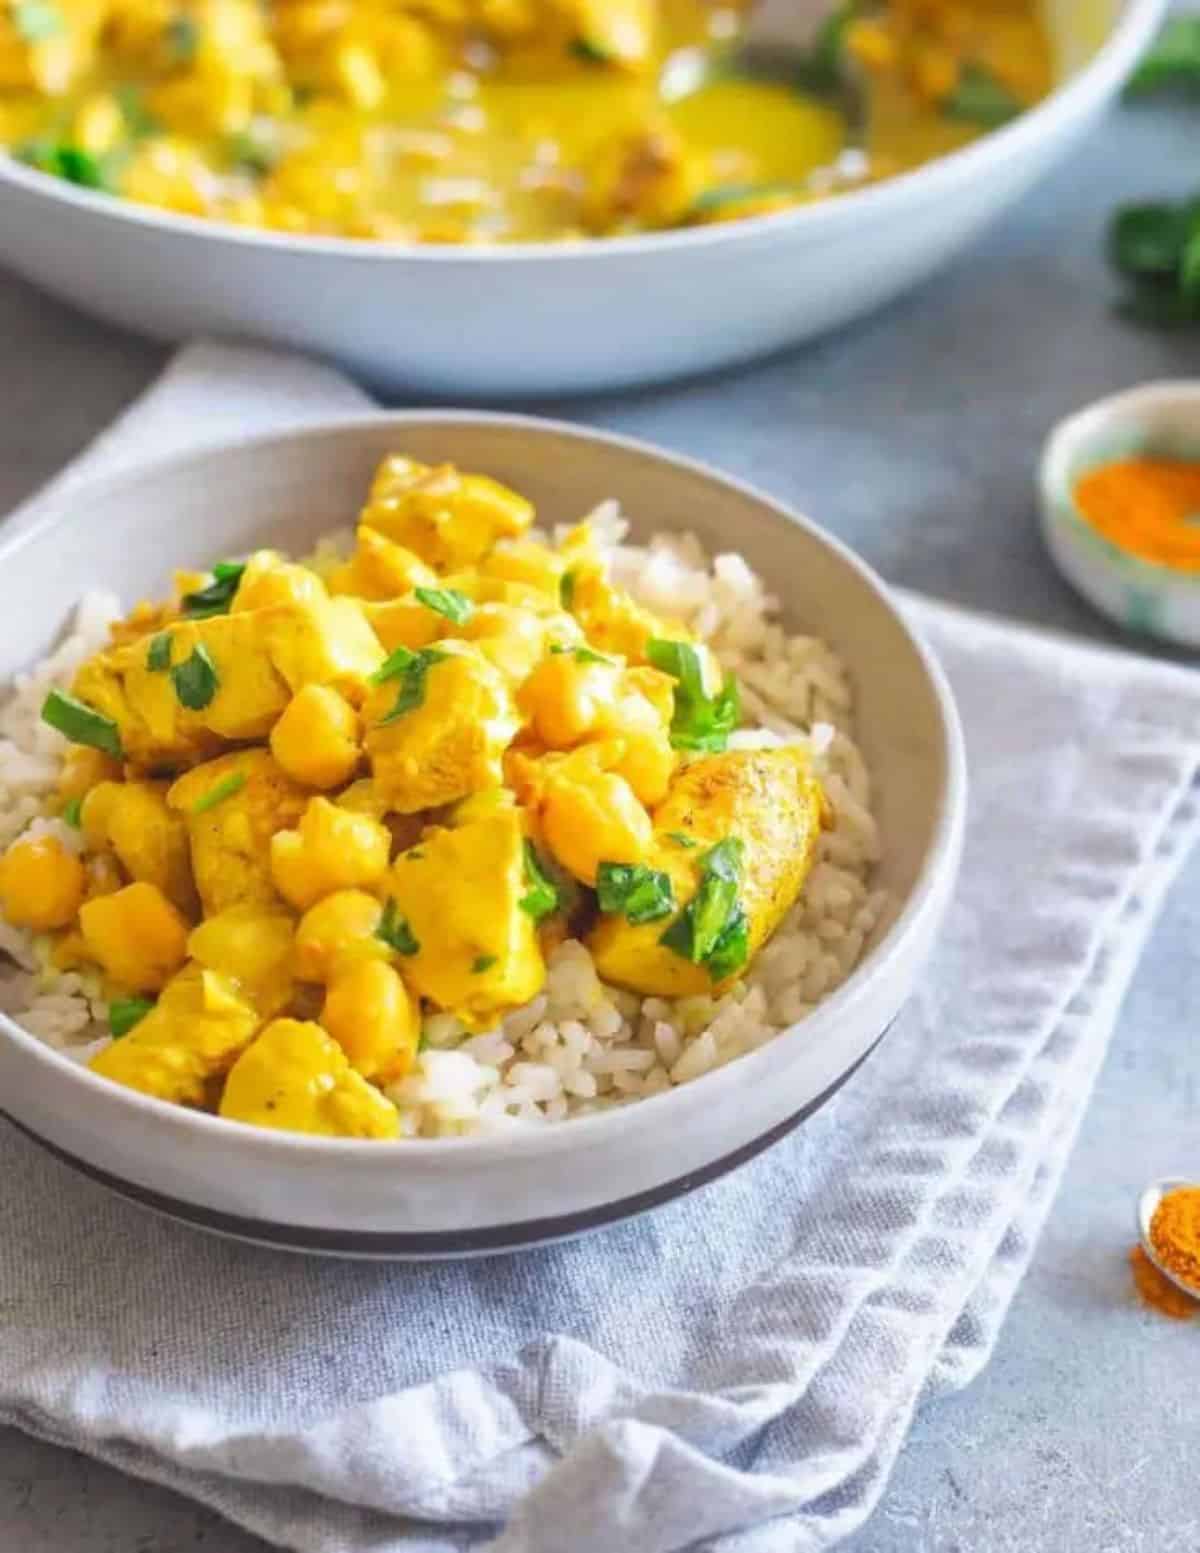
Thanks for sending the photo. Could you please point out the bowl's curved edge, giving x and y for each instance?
(495, 1240)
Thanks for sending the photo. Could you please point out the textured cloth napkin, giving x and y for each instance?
(735, 1371)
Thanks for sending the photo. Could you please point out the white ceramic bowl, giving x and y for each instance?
(537, 318)
(1157, 418)
(457, 1196)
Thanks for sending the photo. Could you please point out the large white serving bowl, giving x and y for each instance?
(538, 318)
(457, 1196)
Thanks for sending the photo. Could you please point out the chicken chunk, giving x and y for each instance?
(232, 807)
(181, 695)
(380, 568)
(296, 1078)
(447, 518)
(191, 1036)
(150, 841)
(767, 800)
(459, 894)
(437, 729)
(614, 622)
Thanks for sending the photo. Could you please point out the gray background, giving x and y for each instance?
(914, 436)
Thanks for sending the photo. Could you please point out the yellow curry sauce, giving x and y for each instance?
(479, 121)
(318, 804)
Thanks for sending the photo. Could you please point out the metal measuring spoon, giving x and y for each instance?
(1147, 1206)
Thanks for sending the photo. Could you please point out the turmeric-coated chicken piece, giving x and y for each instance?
(770, 805)
(296, 1078)
(149, 839)
(184, 693)
(190, 1037)
(612, 619)
(232, 807)
(447, 518)
(380, 568)
(437, 726)
(465, 920)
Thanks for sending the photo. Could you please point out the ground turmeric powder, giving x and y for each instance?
(1148, 507)
(1175, 1234)
(1159, 1292)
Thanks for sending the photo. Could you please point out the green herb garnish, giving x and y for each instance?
(483, 963)
(732, 948)
(822, 69)
(708, 930)
(138, 122)
(37, 19)
(1173, 63)
(566, 590)
(183, 38)
(158, 654)
(701, 722)
(251, 154)
(62, 160)
(124, 1013)
(394, 931)
(590, 53)
(1156, 248)
(642, 894)
(449, 602)
(411, 669)
(582, 654)
(81, 723)
(541, 897)
(681, 839)
(195, 679)
(73, 812)
(224, 789)
(734, 193)
(979, 98)
(216, 598)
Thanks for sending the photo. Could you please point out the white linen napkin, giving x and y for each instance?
(735, 1371)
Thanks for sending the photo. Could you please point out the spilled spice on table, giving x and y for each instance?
(1157, 1292)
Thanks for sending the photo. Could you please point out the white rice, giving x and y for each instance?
(581, 1046)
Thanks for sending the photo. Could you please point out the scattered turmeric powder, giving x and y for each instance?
(1159, 1292)
(1175, 1234)
(1148, 507)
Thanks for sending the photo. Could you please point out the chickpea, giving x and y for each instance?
(373, 1018)
(339, 928)
(316, 739)
(331, 849)
(591, 817)
(136, 936)
(41, 884)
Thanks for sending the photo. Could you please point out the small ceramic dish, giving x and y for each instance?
(468, 1195)
(1157, 418)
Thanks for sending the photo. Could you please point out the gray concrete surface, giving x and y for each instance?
(913, 436)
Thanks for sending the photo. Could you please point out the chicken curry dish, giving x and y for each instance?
(487, 121)
(317, 805)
